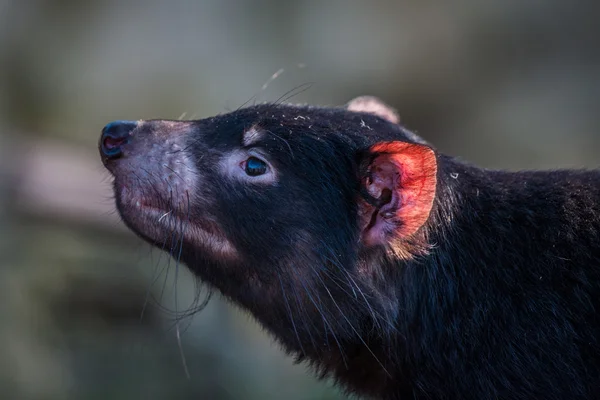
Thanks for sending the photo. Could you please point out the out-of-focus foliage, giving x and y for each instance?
(505, 84)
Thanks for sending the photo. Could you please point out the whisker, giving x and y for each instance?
(283, 140)
(149, 289)
(175, 172)
(246, 102)
(352, 327)
(352, 284)
(262, 89)
(183, 227)
(172, 247)
(272, 78)
(185, 368)
(302, 312)
(154, 280)
(188, 313)
(377, 317)
(327, 323)
(293, 92)
(289, 310)
(164, 215)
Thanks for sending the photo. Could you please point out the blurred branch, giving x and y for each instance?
(56, 179)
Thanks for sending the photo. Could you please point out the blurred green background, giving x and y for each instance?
(512, 84)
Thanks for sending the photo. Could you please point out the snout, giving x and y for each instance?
(154, 175)
(147, 150)
(114, 136)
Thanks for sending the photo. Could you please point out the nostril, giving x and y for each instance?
(112, 143)
(114, 136)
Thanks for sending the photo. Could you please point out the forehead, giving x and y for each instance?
(266, 124)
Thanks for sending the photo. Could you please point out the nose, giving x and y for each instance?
(114, 136)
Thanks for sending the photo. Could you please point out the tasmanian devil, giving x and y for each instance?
(400, 272)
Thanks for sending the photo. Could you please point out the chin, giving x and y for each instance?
(160, 223)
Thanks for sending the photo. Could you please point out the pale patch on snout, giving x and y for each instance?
(176, 226)
(158, 185)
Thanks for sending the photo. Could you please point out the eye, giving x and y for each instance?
(255, 167)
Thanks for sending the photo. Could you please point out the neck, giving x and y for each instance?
(502, 244)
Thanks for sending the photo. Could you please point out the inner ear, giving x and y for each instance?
(373, 105)
(399, 185)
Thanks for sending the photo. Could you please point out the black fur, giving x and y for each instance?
(504, 305)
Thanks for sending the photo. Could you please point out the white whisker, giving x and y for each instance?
(164, 215)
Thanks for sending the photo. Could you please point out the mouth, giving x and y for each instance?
(151, 212)
(160, 221)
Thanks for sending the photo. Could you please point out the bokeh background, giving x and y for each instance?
(511, 84)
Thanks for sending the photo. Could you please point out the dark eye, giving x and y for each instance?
(255, 167)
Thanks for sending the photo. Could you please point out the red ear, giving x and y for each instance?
(402, 178)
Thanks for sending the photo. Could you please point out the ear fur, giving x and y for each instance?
(373, 105)
(399, 181)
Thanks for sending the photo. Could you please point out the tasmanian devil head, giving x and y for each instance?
(293, 212)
